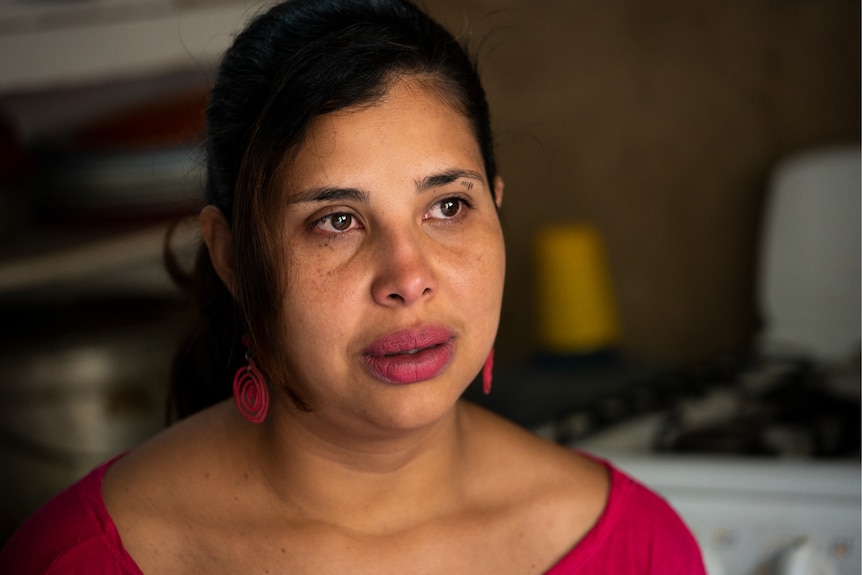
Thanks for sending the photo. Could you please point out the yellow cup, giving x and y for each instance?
(576, 307)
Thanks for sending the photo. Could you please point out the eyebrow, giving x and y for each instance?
(328, 194)
(335, 194)
(447, 177)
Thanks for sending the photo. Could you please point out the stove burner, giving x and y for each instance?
(780, 408)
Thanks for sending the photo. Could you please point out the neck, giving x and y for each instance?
(361, 480)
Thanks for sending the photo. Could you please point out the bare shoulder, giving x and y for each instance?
(561, 493)
(171, 481)
(541, 462)
(188, 447)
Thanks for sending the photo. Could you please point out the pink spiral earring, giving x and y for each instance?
(249, 389)
(488, 373)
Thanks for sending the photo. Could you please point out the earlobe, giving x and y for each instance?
(217, 236)
(498, 191)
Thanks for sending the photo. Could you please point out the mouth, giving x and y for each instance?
(415, 350)
(410, 356)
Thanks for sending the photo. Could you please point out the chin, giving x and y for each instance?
(414, 410)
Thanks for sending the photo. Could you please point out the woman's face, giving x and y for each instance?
(394, 261)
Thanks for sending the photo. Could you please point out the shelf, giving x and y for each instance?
(69, 264)
(53, 44)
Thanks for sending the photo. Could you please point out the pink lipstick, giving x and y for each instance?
(410, 355)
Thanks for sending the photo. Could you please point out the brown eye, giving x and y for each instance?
(341, 222)
(337, 223)
(450, 208)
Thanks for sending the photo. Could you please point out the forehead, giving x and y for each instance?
(414, 129)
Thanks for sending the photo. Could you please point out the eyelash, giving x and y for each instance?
(316, 224)
(328, 218)
(463, 204)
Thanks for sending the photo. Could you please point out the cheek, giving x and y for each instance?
(320, 303)
(316, 274)
(478, 274)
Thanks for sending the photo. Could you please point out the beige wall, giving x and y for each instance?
(658, 122)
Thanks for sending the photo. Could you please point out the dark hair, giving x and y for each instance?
(299, 60)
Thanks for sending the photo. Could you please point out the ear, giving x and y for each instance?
(216, 235)
(498, 191)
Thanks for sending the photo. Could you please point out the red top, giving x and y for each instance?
(638, 533)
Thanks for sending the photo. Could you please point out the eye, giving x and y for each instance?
(336, 223)
(447, 209)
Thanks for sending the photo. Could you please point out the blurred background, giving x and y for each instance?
(663, 132)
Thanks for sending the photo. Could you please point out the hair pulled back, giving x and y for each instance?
(294, 63)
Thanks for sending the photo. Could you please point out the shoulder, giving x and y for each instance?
(72, 533)
(639, 508)
(637, 532)
(599, 519)
(174, 463)
(532, 462)
(556, 495)
(178, 478)
(166, 460)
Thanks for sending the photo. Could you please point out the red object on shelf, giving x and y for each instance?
(170, 121)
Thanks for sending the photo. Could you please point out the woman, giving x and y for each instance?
(353, 248)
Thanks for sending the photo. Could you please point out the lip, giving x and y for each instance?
(410, 355)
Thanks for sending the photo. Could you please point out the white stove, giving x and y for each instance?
(751, 515)
(762, 460)
(761, 457)
(759, 451)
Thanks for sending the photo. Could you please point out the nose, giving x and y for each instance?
(403, 271)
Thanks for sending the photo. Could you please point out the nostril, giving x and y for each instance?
(399, 297)
(403, 279)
